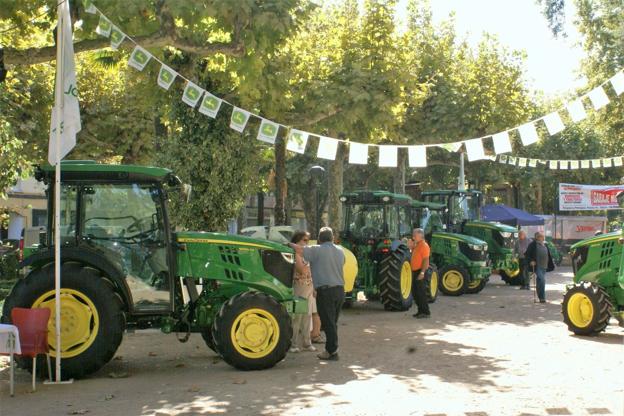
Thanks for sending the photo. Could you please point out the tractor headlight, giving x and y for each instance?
(505, 234)
(475, 247)
(289, 257)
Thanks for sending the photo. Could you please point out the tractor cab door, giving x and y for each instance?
(127, 223)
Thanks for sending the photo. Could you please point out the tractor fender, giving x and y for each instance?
(88, 257)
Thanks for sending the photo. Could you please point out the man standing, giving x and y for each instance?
(538, 256)
(327, 262)
(521, 247)
(420, 264)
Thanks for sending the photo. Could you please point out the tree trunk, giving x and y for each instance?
(260, 217)
(399, 173)
(335, 183)
(539, 191)
(280, 182)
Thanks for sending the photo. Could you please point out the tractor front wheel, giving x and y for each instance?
(395, 280)
(586, 309)
(476, 286)
(453, 280)
(432, 283)
(252, 331)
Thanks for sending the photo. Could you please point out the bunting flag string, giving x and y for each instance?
(210, 105)
(597, 163)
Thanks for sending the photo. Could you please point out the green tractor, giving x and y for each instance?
(598, 289)
(462, 216)
(376, 226)
(462, 260)
(124, 267)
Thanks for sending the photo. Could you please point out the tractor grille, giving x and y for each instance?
(502, 241)
(276, 265)
(473, 255)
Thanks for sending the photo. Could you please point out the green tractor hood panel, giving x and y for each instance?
(493, 225)
(461, 237)
(597, 239)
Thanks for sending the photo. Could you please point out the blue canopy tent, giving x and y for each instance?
(509, 215)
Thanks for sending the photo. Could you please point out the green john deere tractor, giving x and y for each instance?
(598, 289)
(462, 260)
(124, 267)
(463, 217)
(376, 226)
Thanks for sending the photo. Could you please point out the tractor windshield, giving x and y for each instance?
(464, 207)
(364, 221)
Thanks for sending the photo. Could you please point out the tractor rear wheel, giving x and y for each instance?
(512, 276)
(453, 280)
(395, 280)
(432, 283)
(252, 331)
(476, 286)
(586, 309)
(92, 318)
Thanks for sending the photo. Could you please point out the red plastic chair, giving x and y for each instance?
(33, 334)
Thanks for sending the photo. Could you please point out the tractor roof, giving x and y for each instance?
(90, 170)
(450, 191)
(374, 197)
(434, 206)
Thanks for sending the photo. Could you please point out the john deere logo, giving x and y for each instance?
(116, 36)
(140, 57)
(211, 103)
(165, 75)
(192, 93)
(297, 137)
(269, 129)
(238, 117)
(105, 25)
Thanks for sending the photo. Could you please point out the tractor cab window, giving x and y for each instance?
(405, 225)
(365, 221)
(126, 222)
(68, 214)
(392, 222)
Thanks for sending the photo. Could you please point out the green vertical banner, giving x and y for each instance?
(89, 7)
(239, 119)
(139, 58)
(210, 105)
(192, 94)
(268, 131)
(116, 37)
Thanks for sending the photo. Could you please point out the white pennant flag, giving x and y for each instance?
(503, 159)
(617, 161)
(297, 141)
(512, 160)
(388, 156)
(192, 94)
(574, 164)
(607, 162)
(358, 153)
(116, 37)
(598, 98)
(502, 144)
(139, 58)
(617, 81)
(104, 27)
(553, 123)
(239, 119)
(66, 110)
(584, 164)
(450, 147)
(595, 163)
(552, 164)
(474, 149)
(166, 76)
(89, 7)
(576, 109)
(417, 156)
(210, 105)
(563, 164)
(528, 134)
(522, 161)
(327, 148)
(533, 163)
(268, 131)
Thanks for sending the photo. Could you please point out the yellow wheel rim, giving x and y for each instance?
(433, 286)
(406, 280)
(80, 321)
(514, 271)
(255, 333)
(474, 284)
(580, 310)
(453, 280)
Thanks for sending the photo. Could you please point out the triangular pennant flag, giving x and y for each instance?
(617, 161)
(116, 37)
(563, 165)
(522, 161)
(553, 123)
(139, 58)
(417, 156)
(617, 81)
(607, 162)
(584, 164)
(503, 159)
(512, 160)
(576, 109)
(166, 76)
(533, 163)
(595, 163)
(598, 98)
(474, 149)
(104, 27)
(327, 148)
(210, 105)
(574, 164)
(388, 156)
(553, 164)
(502, 144)
(89, 7)
(450, 147)
(239, 119)
(192, 94)
(528, 134)
(268, 131)
(297, 141)
(358, 153)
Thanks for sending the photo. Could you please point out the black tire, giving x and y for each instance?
(456, 273)
(476, 286)
(228, 316)
(586, 309)
(390, 270)
(433, 283)
(86, 284)
(207, 336)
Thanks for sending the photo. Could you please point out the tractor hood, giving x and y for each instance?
(493, 225)
(230, 239)
(461, 237)
(597, 239)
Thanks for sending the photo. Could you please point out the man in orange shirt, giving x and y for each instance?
(420, 264)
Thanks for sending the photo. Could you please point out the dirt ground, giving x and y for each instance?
(495, 353)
